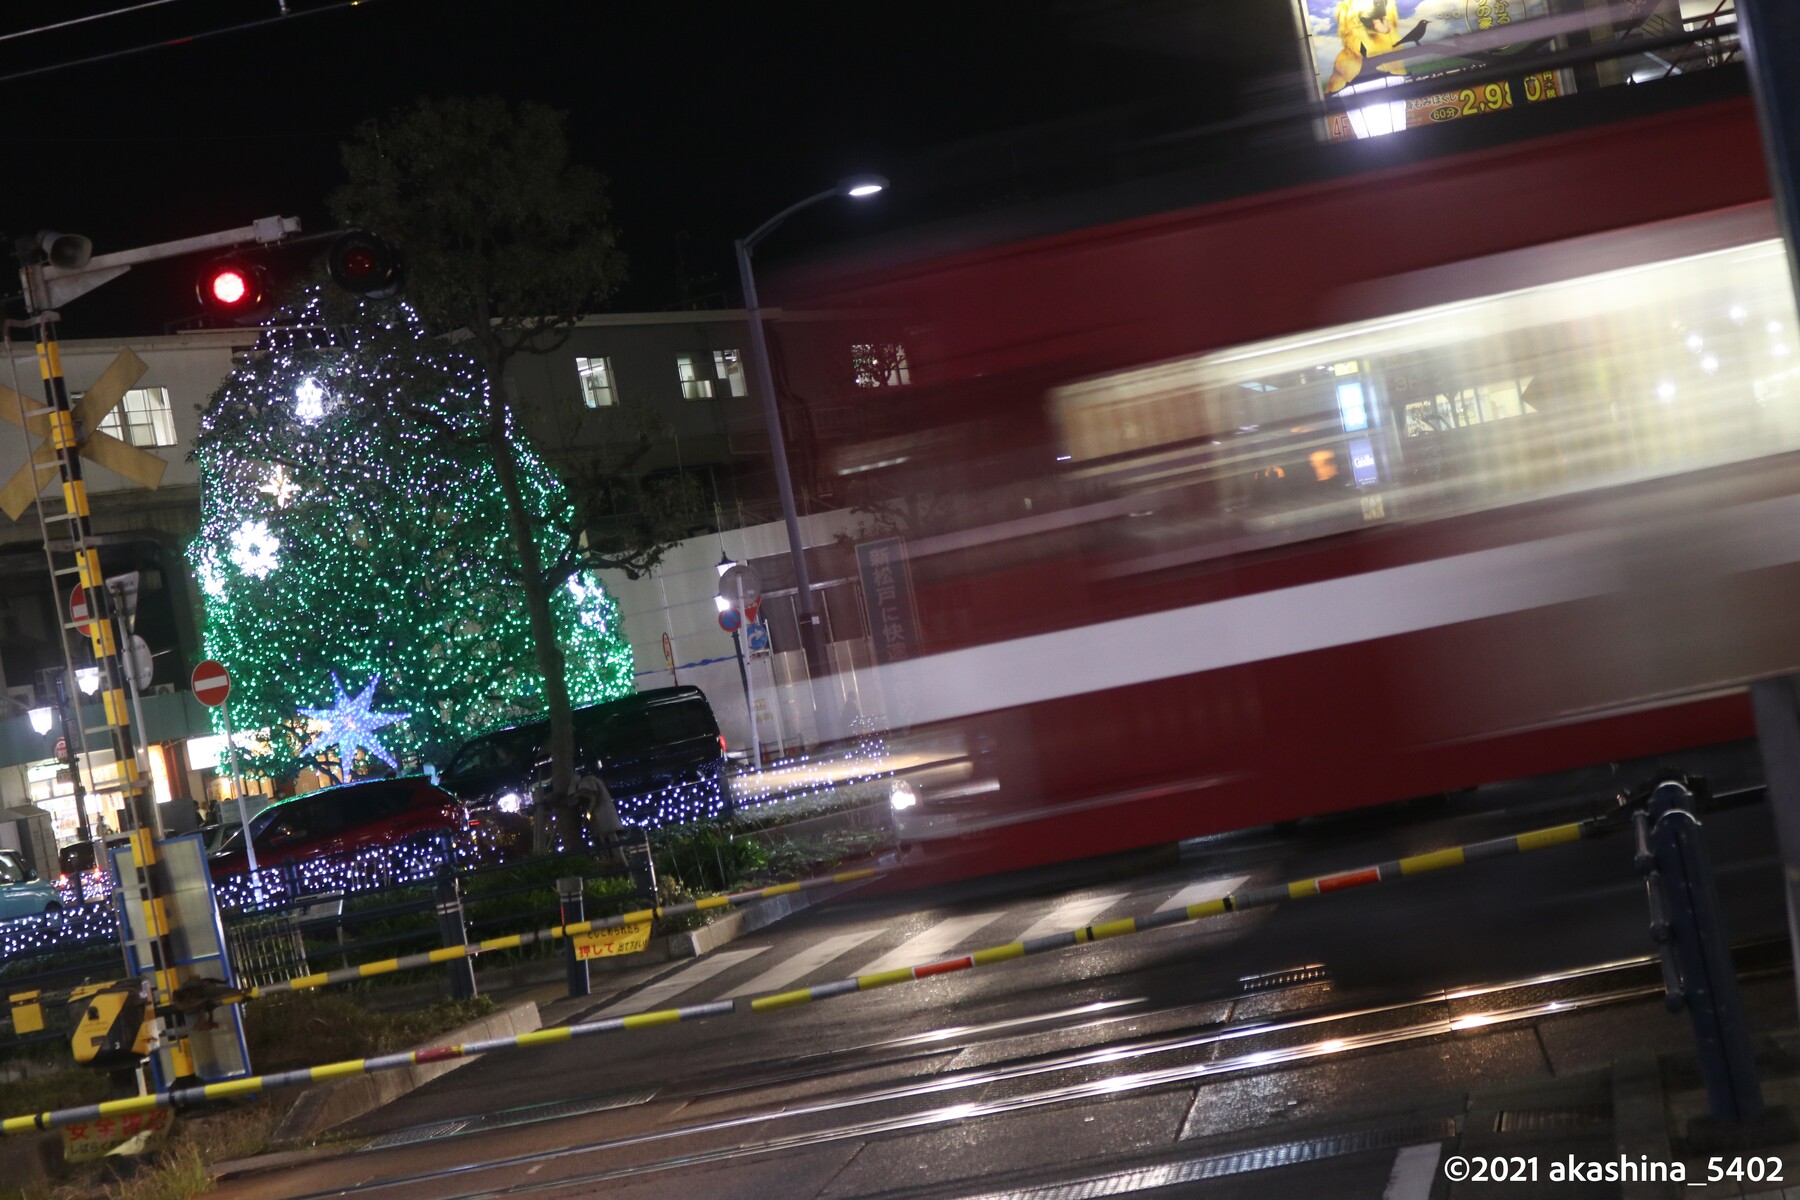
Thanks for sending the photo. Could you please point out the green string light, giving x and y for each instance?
(352, 523)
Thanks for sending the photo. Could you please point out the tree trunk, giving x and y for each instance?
(543, 632)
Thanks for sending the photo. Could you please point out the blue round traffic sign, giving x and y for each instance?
(730, 620)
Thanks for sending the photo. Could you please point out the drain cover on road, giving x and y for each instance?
(1291, 977)
(1552, 1120)
(1239, 1162)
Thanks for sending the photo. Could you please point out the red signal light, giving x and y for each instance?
(228, 287)
(232, 288)
(359, 263)
(365, 265)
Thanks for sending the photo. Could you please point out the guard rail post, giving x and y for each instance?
(454, 932)
(568, 895)
(643, 875)
(1697, 969)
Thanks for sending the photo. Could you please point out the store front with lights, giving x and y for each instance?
(50, 786)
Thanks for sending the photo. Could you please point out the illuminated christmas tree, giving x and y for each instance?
(354, 543)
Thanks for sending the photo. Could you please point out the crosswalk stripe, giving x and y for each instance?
(658, 994)
(927, 946)
(798, 966)
(1071, 914)
(1206, 889)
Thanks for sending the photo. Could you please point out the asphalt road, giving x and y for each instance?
(1067, 1060)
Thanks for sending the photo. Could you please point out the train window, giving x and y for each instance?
(1625, 374)
(879, 364)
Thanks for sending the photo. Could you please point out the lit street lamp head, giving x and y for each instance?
(818, 664)
(863, 185)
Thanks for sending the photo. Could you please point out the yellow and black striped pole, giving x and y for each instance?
(1420, 864)
(151, 913)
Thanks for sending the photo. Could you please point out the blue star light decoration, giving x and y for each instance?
(350, 725)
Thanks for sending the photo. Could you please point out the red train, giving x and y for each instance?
(1451, 471)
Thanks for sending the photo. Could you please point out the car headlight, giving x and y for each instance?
(902, 797)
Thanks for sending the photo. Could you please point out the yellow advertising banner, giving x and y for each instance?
(626, 939)
(131, 1133)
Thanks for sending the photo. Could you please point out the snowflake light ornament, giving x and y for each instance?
(349, 725)
(309, 400)
(255, 550)
(281, 486)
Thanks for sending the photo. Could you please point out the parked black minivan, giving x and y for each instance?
(659, 752)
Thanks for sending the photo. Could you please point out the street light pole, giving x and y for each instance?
(811, 636)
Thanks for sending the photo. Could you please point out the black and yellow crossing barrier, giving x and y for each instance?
(431, 958)
(1419, 864)
(28, 1007)
(1263, 897)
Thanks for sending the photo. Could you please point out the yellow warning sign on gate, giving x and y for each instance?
(131, 1133)
(626, 939)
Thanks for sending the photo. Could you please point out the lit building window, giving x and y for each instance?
(142, 418)
(597, 390)
(880, 364)
(729, 366)
(692, 386)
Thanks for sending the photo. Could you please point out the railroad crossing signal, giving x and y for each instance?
(365, 265)
(83, 433)
(211, 683)
(231, 287)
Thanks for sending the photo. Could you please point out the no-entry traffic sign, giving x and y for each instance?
(212, 683)
(78, 610)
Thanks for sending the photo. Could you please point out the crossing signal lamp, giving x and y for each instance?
(231, 287)
(365, 265)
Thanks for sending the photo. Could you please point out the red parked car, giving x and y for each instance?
(343, 820)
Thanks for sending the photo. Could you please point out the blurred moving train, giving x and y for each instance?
(1446, 472)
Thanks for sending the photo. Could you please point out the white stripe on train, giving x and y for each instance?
(1340, 612)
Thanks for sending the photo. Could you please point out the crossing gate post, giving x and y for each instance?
(1697, 969)
(568, 895)
(454, 932)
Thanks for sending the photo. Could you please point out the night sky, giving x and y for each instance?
(707, 118)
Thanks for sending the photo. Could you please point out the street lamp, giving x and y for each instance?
(857, 187)
(737, 647)
(57, 712)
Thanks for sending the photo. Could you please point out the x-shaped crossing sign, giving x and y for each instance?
(139, 466)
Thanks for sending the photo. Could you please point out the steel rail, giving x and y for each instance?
(1324, 1043)
(1454, 856)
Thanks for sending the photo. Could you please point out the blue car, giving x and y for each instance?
(22, 893)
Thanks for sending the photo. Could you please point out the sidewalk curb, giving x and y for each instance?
(321, 1108)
